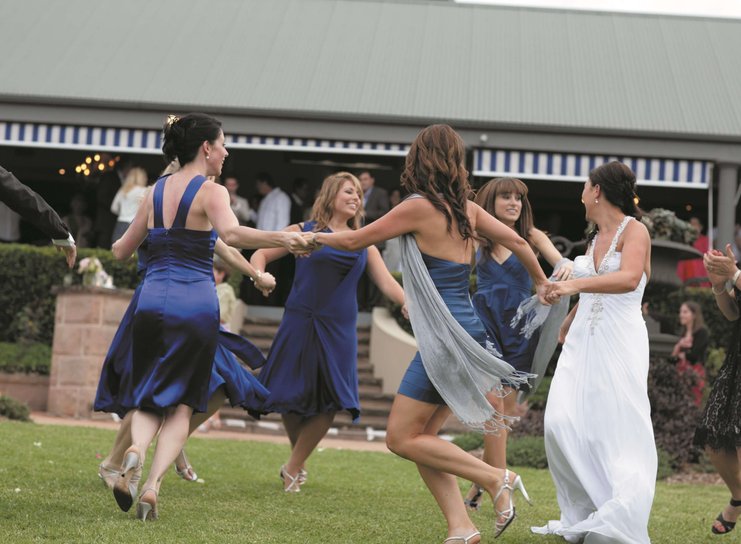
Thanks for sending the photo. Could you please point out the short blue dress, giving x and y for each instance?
(500, 289)
(312, 364)
(241, 387)
(452, 281)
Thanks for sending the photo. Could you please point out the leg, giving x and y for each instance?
(311, 432)
(214, 403)
(121, 443)
(728, 465)
(444, 487)
(406, 437)
(171, 440)
(292, 424)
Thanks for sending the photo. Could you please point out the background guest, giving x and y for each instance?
(108, 185)
(80, 225)
(128, 199)
(239, 205)
(691, 349)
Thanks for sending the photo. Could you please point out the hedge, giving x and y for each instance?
(28, 274)
(13, 409)
(25, 357)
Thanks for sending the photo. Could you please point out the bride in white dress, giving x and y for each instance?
(598, 433)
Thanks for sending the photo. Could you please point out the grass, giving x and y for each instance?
(49, 492)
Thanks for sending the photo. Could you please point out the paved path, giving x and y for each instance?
(43, 418)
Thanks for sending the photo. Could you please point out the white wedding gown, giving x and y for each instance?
(598, 433)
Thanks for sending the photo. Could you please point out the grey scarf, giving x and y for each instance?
(462, 371)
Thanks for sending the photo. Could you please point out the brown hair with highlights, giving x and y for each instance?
(436, 168)
(324, 204)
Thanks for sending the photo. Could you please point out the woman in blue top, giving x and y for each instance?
(176, 323)
(441, 224)
(311, 371)
(502, 285)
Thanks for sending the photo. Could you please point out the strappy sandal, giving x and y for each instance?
(474, 503)
(293, 485)
(187, 473)
(464, 539)
(508, 513)
(728, 526)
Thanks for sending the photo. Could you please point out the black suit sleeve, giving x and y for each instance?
(30, 206)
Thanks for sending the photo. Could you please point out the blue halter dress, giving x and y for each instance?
(499, 291)
(312, 364)
(176, 321)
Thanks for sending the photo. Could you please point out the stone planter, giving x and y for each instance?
(32, 389)
(665, 255)
(85, 322)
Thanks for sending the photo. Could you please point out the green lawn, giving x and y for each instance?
(49, 492)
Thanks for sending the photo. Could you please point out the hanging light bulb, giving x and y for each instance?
(101, 167)
(96, 157)
(88, 160)
(78, 169)
(62, 171)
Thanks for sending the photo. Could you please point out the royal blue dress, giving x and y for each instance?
(312, 364)
(115, 388)
(500, 288)
(452, 281)
(176, 321)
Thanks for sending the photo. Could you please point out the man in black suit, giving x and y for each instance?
(376, 205)
(34, 209)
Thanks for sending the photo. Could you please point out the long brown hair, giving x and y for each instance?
(487, 196)
(698, 322)
(324, 204)
(435, 167)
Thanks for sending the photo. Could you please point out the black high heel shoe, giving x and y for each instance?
(474, 503)
(130, 471)
(728, 526)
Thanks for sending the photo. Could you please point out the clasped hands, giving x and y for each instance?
(720, 267)
(265, 283)
(550, 292)
(301, 244)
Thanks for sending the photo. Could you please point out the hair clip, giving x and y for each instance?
(172, 119)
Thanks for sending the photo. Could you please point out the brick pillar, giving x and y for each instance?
(85, 322)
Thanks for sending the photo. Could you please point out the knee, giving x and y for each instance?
(397, 442)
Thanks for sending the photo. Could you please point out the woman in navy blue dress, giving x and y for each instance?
(502, 284)
(311, 371)
(443, 224)
(228, 378)
(176, 323)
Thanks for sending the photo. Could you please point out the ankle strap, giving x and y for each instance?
(735, 502)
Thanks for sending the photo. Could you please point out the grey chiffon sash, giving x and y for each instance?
(462, 371)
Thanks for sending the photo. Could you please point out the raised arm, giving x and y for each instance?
(722, 269)
(635, 254)
(125, 246)
(562, 267)
(221, 216)
(496, 231)
(401, 219)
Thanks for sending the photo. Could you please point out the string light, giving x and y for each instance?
(88, 160)
(62, 171)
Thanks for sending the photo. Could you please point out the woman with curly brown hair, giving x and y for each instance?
(453, 371)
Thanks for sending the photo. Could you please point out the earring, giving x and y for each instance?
(208, 156)
(596, 200)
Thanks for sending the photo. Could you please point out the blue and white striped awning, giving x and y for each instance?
(131, 140)
(576, 167)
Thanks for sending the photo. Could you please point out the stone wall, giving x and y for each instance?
(85, 322)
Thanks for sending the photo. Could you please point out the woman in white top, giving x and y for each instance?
(127, 200)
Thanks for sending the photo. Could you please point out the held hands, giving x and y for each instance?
(265, 283)
(555, 290)
(296, 243)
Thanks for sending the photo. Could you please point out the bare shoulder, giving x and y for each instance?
(637, 230)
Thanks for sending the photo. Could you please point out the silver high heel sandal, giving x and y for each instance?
(302, 476)
(147, 509)
(464, 539)
(293, 485)
(508, 513)
(107, 475)
(124, 490)
(474, 503)
(187, 474)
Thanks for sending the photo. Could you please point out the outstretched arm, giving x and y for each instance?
(383, 278)
(124, 247)
(236, 260)
(562, 267)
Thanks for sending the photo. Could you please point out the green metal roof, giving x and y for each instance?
(402, 61)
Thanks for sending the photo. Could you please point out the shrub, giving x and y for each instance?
(665, 468)
(673, 412)
(527, 451)
(469, 441)
(29, 273)
(23, 357)
(13, 409)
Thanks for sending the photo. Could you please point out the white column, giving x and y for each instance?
(727, 182)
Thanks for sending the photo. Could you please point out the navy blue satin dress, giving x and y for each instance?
(312, 364)
(176, 320)
(453, 282)
(500, 289)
